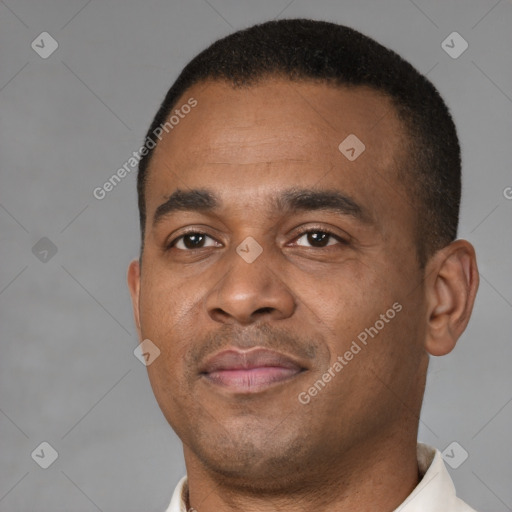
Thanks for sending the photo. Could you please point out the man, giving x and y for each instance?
(299, 264)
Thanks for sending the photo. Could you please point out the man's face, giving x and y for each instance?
(263, 152)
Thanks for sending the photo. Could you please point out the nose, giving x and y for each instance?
(250, 292)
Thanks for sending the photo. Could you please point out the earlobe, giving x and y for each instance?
(451, 290)
(133, 278)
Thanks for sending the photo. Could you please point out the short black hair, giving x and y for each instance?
(310, 50)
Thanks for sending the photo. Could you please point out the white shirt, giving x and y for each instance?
(434, 493)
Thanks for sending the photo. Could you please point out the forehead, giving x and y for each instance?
(277, 133)
(317, 114)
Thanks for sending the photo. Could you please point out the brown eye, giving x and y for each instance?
(191, 241)
(318, 239)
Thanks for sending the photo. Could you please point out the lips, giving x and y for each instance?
(250, 371)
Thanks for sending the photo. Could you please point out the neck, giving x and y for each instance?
(375, 476)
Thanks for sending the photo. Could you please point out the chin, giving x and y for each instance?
(252, 459)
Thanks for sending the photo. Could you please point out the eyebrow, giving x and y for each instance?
(292, 200)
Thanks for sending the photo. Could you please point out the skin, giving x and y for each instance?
(353, 446)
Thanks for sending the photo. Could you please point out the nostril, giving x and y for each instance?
(262, 311)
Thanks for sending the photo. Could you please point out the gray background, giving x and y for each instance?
(68, 375)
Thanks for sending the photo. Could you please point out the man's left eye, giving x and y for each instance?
(319, 239)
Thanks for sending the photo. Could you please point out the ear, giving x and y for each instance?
(451, 288)
(134, 286)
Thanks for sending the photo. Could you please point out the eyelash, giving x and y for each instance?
(341, 241)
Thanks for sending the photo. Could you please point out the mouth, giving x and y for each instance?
(250, 371)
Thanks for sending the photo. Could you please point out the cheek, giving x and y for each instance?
(348, 299)
(168, 319)
(165, 301)
(166, 311)
(348, 307)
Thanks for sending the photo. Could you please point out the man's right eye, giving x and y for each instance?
(191, 241)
